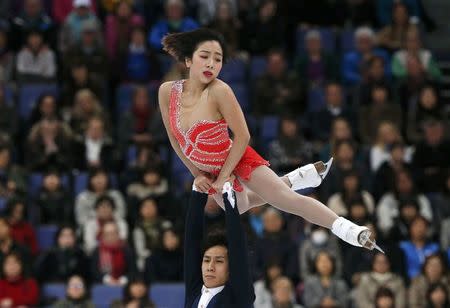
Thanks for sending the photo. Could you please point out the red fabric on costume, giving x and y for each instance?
(112, 259)
(23, 233)
(207, 143)
(22, 291)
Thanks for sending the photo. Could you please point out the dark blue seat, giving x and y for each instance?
(167, 295)
(316, 99)
(3, 202)
(81, 182)
(29, 93)
(258, 66)
(347, 41)
(165, 63)
(53, 291)
(46, 236)
(269, 128)
(327, 35)
(35, 182)
(241, 92)
(9, 95)
(234, 71)
(103, 295)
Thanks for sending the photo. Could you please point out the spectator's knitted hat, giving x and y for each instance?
(80, 3)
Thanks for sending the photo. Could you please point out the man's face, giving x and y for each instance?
(215, 267)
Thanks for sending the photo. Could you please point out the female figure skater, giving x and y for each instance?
(197, 113)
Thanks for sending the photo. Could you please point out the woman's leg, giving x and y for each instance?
(266, 184)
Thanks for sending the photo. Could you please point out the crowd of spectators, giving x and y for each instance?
(96, 164)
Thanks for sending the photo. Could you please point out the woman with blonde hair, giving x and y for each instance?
(387, 135)
(86, 105)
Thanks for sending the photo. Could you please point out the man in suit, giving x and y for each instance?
(216, 275)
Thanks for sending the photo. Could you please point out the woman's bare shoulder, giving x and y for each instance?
(218, 88)
(165, 87)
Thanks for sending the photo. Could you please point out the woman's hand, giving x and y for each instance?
(220, 181)
(202, 182)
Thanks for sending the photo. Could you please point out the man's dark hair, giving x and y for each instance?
(214, 238)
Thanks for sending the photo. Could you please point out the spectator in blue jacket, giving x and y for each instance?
(32, 18)
(355, 63)
(174, 22)
(417, 248)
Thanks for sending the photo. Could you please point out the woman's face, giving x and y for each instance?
(408, 212)
(273, 272)
(123, 10)
(385, 302)
(52, 182)
(206, 62)
(152, 178)
(105, 211)
(324, 265)
(48, 106)
(149, 209)
(170, 240)
(404, 183)
(358, 212)
(438, 297)
(351, 183)
(381, 264)
(224, 11)
(86, 103)
(345, 153)
(138, 290)
(418, 229)
(12, 267)
(388, 133)
(18, 212)
(66, 238)
(99, 182)
(138, 37)
(400, 15)
(428, 99)
(341, 130)
(75, 288)
(289, 128)
(141, 98)
(434, 269)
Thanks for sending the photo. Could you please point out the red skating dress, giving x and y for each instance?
(207, 143)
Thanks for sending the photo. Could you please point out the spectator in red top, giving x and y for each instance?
(15, 289)
(118, 28)
(21, 230)
(113, 261)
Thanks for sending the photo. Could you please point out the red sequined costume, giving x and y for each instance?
(207, 143)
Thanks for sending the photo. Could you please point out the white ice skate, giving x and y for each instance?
(309, 176)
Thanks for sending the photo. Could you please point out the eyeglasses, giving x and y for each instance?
(76, 285)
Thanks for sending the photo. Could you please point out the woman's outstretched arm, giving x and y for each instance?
(163, 98)
(231, 111)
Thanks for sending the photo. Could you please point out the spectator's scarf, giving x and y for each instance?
(142, 116)
(112, 259)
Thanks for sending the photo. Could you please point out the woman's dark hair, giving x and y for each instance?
(61, 229)
(375, 256)
(105, 198)
(183, 45)
(86, 285)
(384, 292)
(11, 205)
(215, 238)
(36, 115)
(433, 287)
(93, 173)
(440, 257)
(127, 297)
(331, 257)
(273, 262)
(351, 173)
(149, 169)
(19, 259)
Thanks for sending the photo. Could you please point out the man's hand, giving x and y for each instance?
(202, 182)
